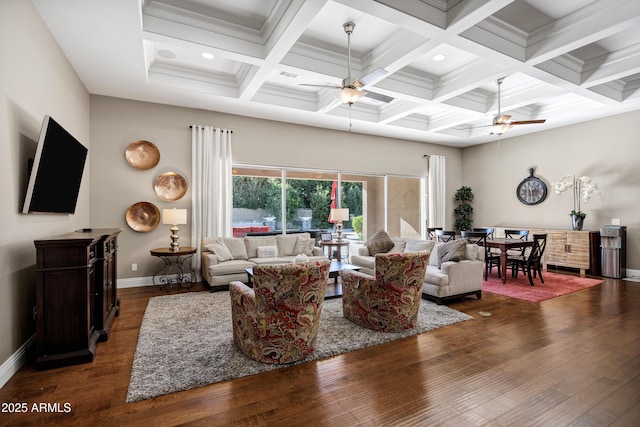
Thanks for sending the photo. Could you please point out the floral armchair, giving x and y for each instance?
(390, 301)
(277, 321)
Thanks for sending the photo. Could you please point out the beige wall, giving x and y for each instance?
(35, 80)
(115, 186)
(607, 150)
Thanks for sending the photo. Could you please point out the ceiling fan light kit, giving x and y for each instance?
(352, 90)
(501, 122)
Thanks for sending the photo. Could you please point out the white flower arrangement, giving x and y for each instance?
(583, 190)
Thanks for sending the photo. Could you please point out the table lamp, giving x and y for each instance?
(174, 217)
(339, 215)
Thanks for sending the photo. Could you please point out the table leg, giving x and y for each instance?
(503, 265)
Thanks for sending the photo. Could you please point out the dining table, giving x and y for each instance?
(504, 244)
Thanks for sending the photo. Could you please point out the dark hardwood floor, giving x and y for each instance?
(568, 361)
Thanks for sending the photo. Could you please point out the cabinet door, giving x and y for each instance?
(578, 249)
(555, 251)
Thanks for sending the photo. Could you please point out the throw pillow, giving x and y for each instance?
(398, 247)
(419, 245)
(452, 250)
(220, 250)
(267, 251)
(304, 245)
(380, 242)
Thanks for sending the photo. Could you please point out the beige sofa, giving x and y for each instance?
(442, 280)
(224, 259)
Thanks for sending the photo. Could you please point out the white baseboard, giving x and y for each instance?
(135, 282)
(15, 362)
(632, 275)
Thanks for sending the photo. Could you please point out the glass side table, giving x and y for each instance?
(176, 269)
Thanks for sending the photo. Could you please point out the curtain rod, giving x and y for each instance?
(191, 127)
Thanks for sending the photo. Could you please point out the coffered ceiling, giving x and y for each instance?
(565, 61)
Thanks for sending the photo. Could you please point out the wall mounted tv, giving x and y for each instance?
(56, 173)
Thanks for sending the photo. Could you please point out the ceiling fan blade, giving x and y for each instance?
(372, 78)
(334, 103)
(527, 122)
(378, 96)
(331, 86)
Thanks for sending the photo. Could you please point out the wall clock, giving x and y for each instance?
(532, 190)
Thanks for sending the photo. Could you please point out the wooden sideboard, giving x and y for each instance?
(567, 248)
(76, 295)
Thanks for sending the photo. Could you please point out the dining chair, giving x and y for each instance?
(530, 264)
(516, 234)
(490, 232)
(431, 232)
(491, 259)
(445, 235)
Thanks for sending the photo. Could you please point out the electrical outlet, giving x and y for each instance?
(134, 267)
(615, 221)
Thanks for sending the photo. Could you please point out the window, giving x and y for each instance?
(375, 202)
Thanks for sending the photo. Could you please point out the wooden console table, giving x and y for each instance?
(76, 295)
(567, 248)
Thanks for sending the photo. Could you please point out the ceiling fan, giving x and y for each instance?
(501, 123)
(352, 90)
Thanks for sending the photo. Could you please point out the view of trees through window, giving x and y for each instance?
(375, 201)
(257, 199)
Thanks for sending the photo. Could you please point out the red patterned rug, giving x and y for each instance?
(554, 285)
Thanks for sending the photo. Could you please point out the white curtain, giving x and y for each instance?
(211, 187)
(437, 191)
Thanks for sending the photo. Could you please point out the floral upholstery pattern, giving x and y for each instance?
(277, 321)
(388, 302)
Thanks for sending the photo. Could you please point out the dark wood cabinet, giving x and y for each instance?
(76, 295)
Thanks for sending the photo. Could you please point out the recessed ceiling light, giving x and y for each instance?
(167, 54)
(439, 57)
(207, 55)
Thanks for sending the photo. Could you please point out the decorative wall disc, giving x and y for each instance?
(170, 186)
(142, 155)
(143, 216)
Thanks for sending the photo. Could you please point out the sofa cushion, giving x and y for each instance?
(252, 243)
(380, 242)
(236, 247)
(398, 246)
(286, 244)
(471, 252)
(419, 245)
(304, 245)
(364, 261)
(435, 276)
(267, 251)
(220, 250)
(230, 267)
(452, 250)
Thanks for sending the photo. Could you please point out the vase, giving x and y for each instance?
(576, 222)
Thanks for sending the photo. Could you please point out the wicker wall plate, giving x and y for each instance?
(170, 186)
(143, 216)
(142, 155)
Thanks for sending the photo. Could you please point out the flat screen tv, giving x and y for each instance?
(56, 174)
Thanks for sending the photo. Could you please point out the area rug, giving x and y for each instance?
(186, 341)
(554, 285)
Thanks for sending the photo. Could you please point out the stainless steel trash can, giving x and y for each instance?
(613, 245)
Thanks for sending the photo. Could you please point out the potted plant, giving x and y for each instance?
(583, 190)
(464, 210)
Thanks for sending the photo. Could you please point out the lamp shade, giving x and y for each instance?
(174, 216)
(340, 214)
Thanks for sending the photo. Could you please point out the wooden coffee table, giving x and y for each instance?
(334, 272)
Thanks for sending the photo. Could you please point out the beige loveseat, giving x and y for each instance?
(224, 259)
(442, 280)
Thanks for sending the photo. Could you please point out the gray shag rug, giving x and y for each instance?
(186, 341)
